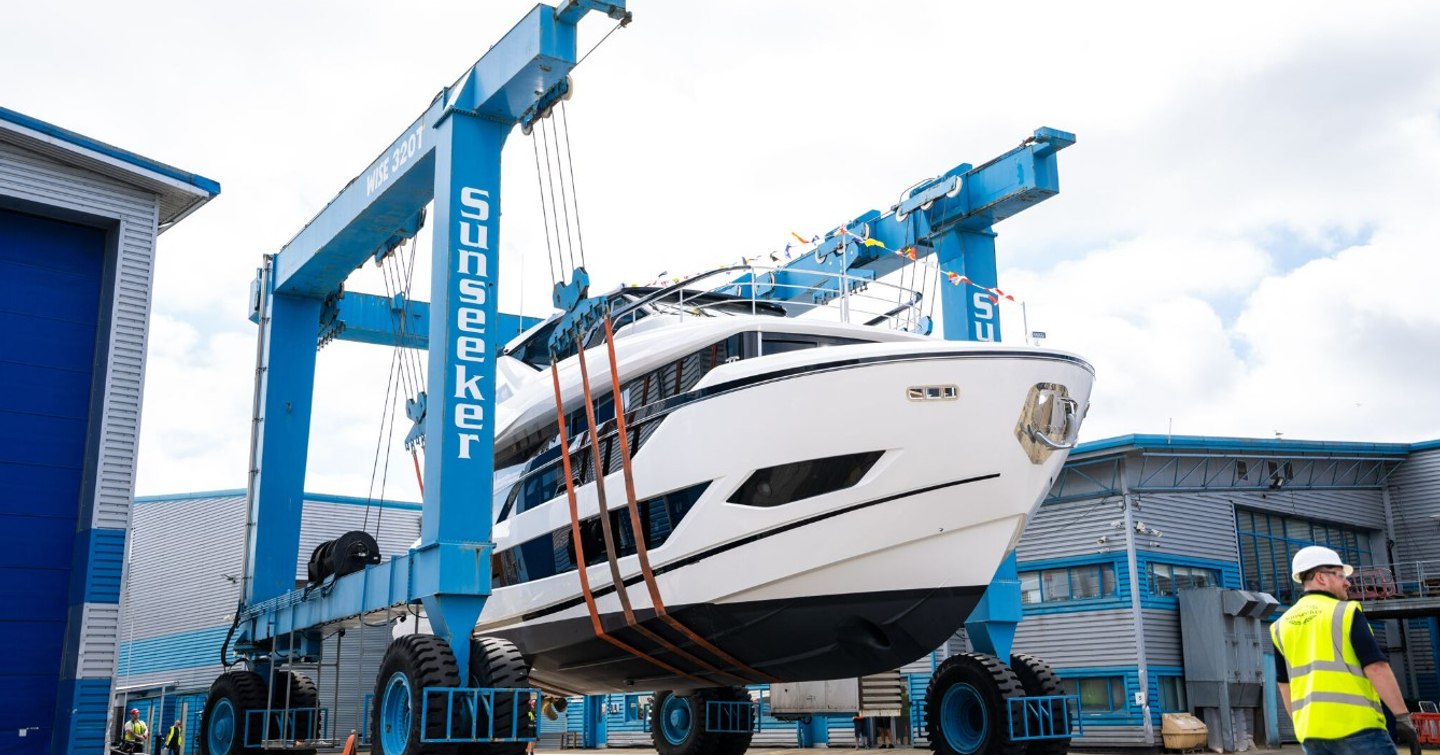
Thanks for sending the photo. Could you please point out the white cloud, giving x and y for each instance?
(1241, 244)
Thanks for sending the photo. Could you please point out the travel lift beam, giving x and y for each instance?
(451, 155)
(949, 216)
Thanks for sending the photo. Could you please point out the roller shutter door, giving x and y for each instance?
(50, 282)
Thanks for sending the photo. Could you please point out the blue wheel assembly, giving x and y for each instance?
(413, 663)
(964, 719)
(395, 714)
(677, 719)
(965, 706)
(677, 724)
(222, 725)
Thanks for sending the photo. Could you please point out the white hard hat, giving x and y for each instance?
(1311, 556)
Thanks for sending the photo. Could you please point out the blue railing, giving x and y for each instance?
(1043, 717)
(471, 709)
(730, 716)
(286, 725)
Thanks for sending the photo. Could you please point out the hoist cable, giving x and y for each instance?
(544, 220)
(574, 192)
(387, 411)
(554, 212)
(623, 22)
(564, 199)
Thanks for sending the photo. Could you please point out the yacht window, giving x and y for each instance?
(554, 553)
(776, 486)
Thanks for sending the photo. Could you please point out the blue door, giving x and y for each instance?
(50, 285)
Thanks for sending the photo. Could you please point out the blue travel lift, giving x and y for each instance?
(448, 689)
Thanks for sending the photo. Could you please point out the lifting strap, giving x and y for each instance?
(611, 553)
(580, 563)
(641, 551)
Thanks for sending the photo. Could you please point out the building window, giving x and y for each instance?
(1269, 541)
(1172, 695)
(636, 707)
(1168, 579)
(1099, 694)
(1075, 583)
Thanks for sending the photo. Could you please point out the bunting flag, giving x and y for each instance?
(910, 252)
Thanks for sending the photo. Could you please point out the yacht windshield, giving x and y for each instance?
(632, 304)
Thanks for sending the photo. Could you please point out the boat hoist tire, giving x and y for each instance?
(498, 663)
(732, 743)
(222, 725)
(411, 664)
(302, 694)
(965, 706)
(677, 724)
(1039, 679)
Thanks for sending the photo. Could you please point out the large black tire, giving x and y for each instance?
(411, 664)
(732, 743)
(222, 723)
(965, 706)
(302, 694)
(677, 724)
(1038, 679)
(498, 663)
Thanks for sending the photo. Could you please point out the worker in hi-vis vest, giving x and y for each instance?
(135, 732)
(1332, 674)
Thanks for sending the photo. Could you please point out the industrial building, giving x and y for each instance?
(79, 227)
(1179, 512)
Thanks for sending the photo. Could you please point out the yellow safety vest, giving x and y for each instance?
(1330, 695)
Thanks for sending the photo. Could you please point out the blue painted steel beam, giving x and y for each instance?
(451, 154)
(367, 318)
(949, 216)
(287, 392)
(531, 59)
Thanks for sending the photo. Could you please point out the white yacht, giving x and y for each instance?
(819, 499)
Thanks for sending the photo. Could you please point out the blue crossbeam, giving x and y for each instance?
(963, 199)
(367, 318)
(533, 57)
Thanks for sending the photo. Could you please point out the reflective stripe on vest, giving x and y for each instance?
(1330, 696)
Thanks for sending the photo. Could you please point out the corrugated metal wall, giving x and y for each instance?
(129, 217)
(181, 597)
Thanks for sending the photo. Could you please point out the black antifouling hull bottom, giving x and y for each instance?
(798, 639)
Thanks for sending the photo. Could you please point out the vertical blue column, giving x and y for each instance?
(991, 626)
(454, 556)
(595, 730)
(289, 388)
(968, 313)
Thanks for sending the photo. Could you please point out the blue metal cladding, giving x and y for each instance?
(86, 702)
(199, 647)
(97, 579)
(50, 292)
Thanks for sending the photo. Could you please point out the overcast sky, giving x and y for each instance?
(1244, 243)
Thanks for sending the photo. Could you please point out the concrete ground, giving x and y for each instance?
(1286, 750)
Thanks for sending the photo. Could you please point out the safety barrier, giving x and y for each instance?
(279, 728)
(730, 716)
(1043, 717)
(1427, 726)
(473, 708)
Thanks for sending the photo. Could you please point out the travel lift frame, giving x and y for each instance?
(451, 155)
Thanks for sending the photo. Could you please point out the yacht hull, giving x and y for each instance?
(856, 580)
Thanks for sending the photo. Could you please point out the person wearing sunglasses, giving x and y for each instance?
(1333, 677)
